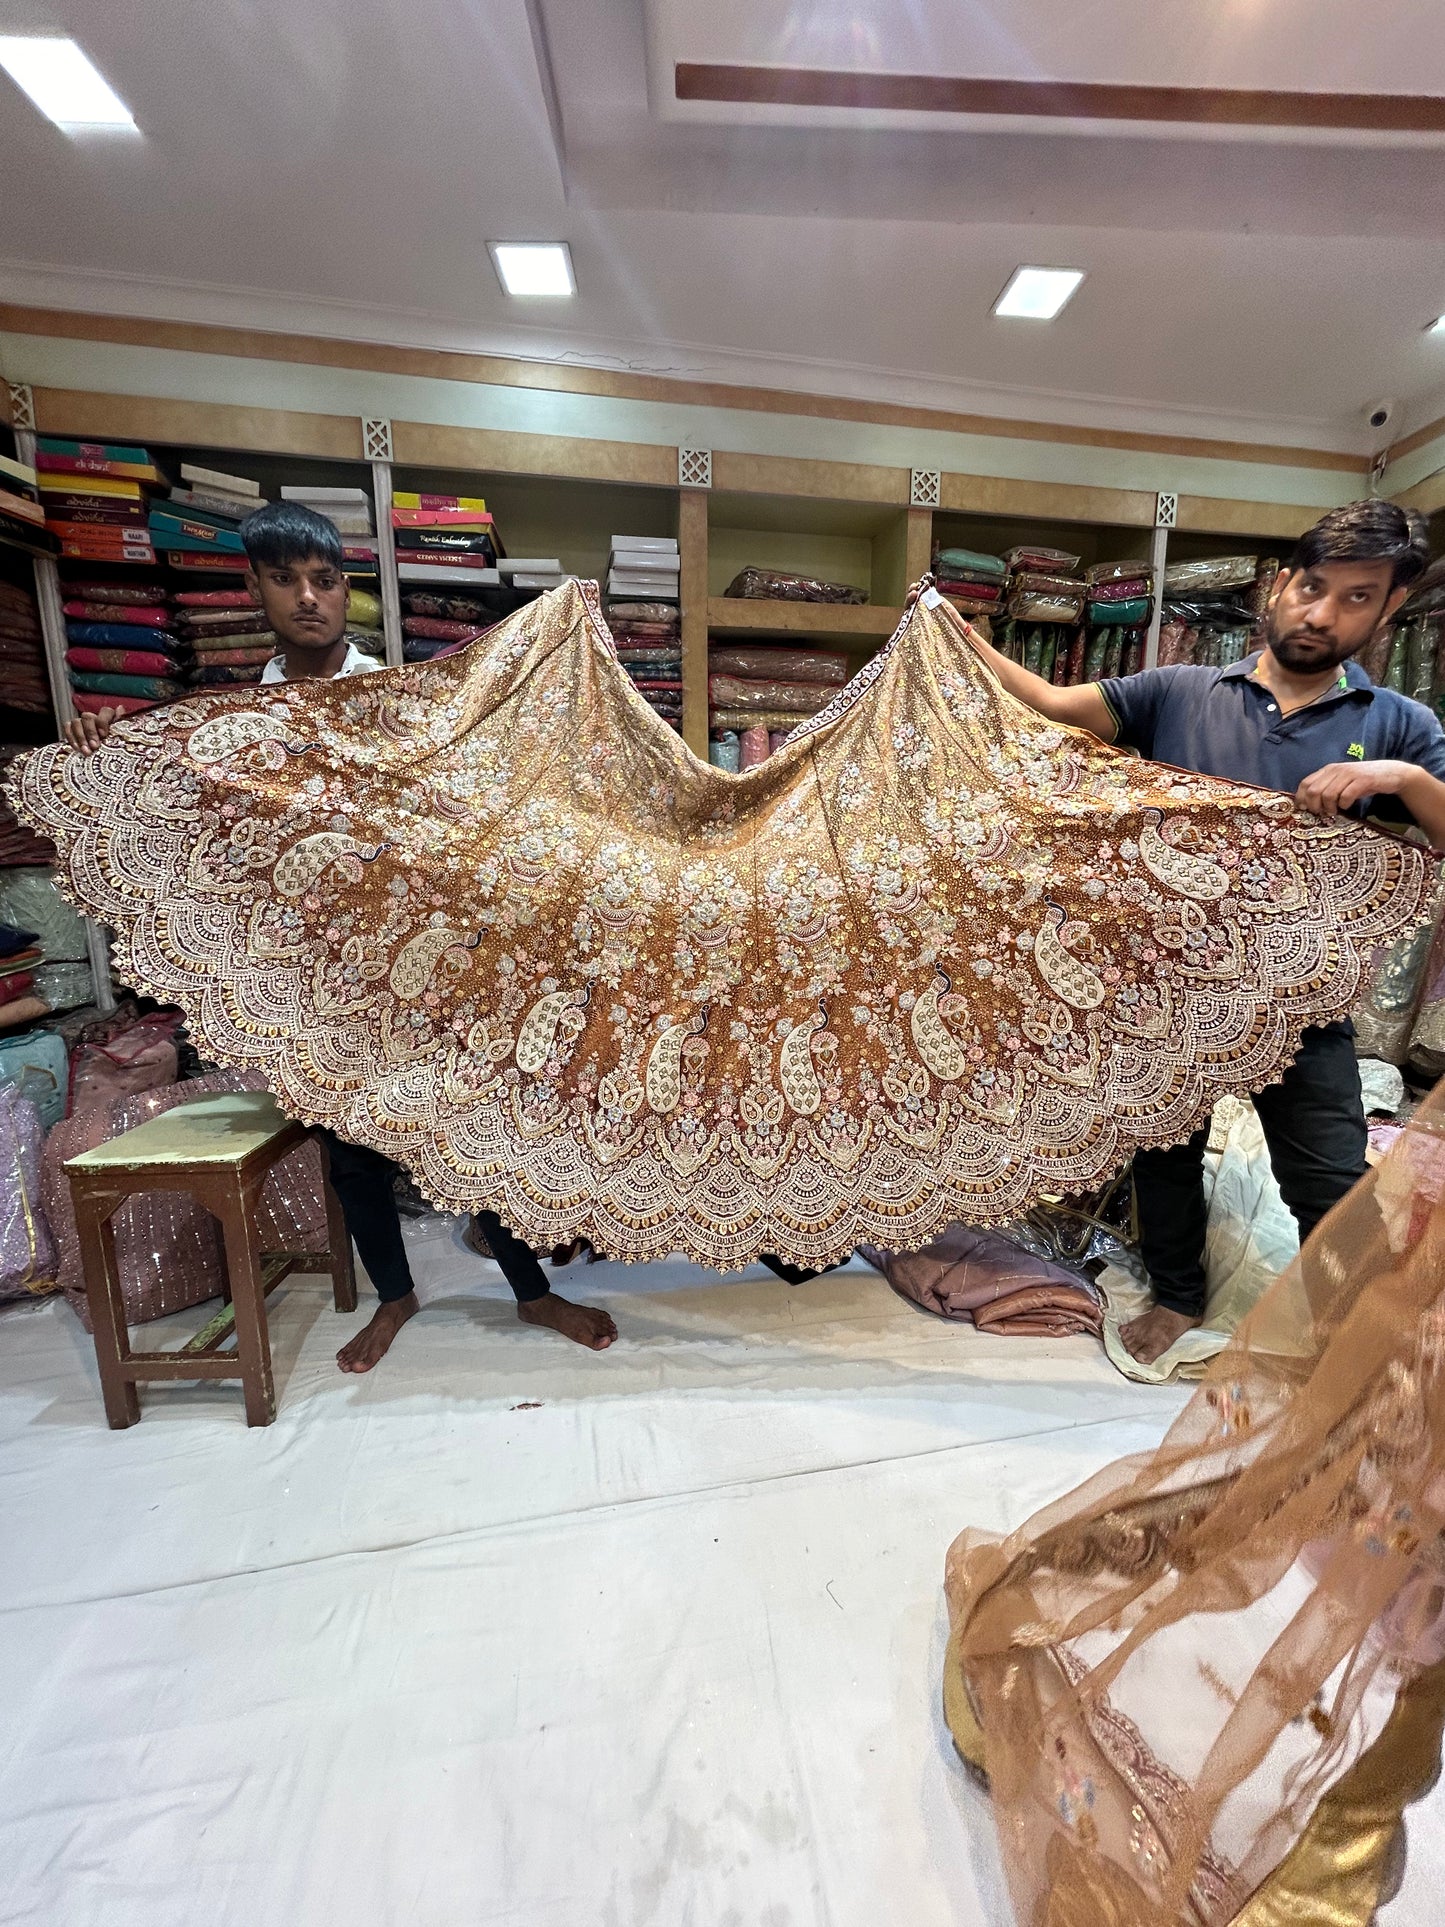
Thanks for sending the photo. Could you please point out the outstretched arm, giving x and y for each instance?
(1338, 785)
(1080, 705)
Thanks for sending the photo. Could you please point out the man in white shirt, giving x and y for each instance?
(296, 574)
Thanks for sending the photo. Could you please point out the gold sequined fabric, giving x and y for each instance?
(935, 957)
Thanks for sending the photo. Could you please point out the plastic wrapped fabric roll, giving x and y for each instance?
(968, 562)
(1078, 648)
(725, 751)
(1131, 570)
(1374, 658)
(121, 635)
(791, 665)
(1123, 615)
(1399, 659)
(64, 986)
(1094, 655)
(138, 617)
(437, 629)
(142, 595)
(1030, 556)
(1133, 660)
(1047, 651)
(741, 719)
(121, 662)
(665, 612)
(1062, 651)
(968, 605)
(796, 698)
(772, 585)
(1113, 652)
(1173, 636)
(753, 745)
(364, 609)
(1234, 646)
(1265, 574)
(1034, 649)
(1043, 608)
(1218, 572)
(1420, 660)
(29, 900)
(776, 739)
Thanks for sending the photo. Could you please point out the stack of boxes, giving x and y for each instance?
(95, 496)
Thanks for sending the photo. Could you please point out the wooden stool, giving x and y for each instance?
(219, 1149)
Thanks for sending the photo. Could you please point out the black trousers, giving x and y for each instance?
(1314, 1124)
(362, 1181)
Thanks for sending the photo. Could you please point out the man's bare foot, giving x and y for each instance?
(583, 1324)
(373, 1342)
(1148, 1337)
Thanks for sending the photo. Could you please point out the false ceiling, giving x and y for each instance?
(833, 204)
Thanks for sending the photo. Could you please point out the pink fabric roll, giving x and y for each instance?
(753, 744)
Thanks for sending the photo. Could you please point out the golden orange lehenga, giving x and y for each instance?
(1205, 1686)
(935, 956)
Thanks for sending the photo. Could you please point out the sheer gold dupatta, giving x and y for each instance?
(1205, 1685)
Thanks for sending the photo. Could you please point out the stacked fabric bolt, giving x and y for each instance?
(648, 636)
(229, 635)
(972, 581)
(1043, 586)
(95, 496)
(453, 532)
(198, 524)
(122, 650)
(23, 683)
(1212, 609)
(1410, 654)
(760, 692)
(18, 845)
(22, 514)
(364, 623)
(434, 621)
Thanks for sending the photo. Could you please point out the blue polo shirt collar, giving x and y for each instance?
(1356, 679)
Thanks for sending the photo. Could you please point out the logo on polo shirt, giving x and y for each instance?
(1357, 750)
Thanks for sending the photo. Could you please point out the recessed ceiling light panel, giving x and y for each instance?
(1038, 294)
(65, 86)
(534, 268)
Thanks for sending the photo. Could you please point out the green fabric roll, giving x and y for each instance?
(1124, 615)
(156, 689)
(1395, 669)
(969, 562)
(1046, 655)
(1034, 649)
(1094, 654)
(1113, 652)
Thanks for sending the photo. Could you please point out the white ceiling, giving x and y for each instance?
(339, 167)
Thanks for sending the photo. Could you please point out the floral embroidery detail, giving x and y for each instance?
(490, 907)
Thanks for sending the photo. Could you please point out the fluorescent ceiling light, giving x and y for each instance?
(533, 267)
(61, 81)
(1038, 294)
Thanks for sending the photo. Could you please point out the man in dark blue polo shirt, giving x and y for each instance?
(1299, 716)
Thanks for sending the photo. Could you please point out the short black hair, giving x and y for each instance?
(284, 532)
(1369, 532)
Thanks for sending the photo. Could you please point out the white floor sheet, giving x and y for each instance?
(510, 1633)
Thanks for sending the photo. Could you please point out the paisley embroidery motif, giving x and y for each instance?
(467, 906)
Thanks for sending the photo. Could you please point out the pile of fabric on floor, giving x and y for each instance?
(95, 496)
(643, 579)
(758, 693)
(126, 647)
(1212, 609)
(23, 681)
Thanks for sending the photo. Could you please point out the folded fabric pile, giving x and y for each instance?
(229, 636)
(445, 538)
(95, 496)
(364, 623)
(18, 845)
(758, 694)
(122, 648)
(648, 636)
(1044, 585)
(23, 681)
(435, 621)
(197, 526)
(772, 585)
(22, 514)
(19, 954)
(972, 581)
(56, 959)
(1212, 609)
(644, 568)
(1409, 655)
(985, 1277)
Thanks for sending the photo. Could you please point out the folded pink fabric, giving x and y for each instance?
(967, 1269)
